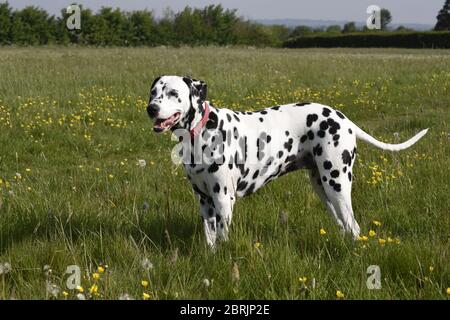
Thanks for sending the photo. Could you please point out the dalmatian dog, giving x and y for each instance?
(247, 150)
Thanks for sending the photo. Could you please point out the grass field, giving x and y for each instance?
(73, 127)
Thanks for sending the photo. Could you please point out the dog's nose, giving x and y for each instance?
(152, 110)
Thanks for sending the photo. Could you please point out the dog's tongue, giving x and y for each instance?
(162, 124)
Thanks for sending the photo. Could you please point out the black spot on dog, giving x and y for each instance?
(268, 138)
(280, 154)
(334, 173)
(229, 117)
(288, 144)
(327, 165)
(213, 168)
(344, 170)
(317, 150)
(310, 135)
(301, 104)
(241, 186)
(261, 119)
(321, 133)
(326, 112)
(255, 175)
(310, 119)
(216, 188)
(349, 176)
(212, 121)
(225, 190)
(303, 138)
(337, 187)
(346, 158)
(354, 153)
(350, 131)
(336, 137)
(276, 108)
(324, 179)
(336, 143)
(332, 183)
(340, 115)
(263, 112)
(286, 133)
(236, 118)
(324, 125)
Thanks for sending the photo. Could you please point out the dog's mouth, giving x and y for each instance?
(162, 125)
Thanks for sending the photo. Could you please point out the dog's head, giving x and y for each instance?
(175, 102)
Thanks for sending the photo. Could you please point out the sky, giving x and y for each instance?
(403, 11)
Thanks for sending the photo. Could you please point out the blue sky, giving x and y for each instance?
(403, 11)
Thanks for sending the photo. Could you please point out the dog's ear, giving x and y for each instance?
(198, 87)
(201, 87)
(155, 81)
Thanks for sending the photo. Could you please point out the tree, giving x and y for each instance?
(334, 29)
(301, 31)
(5, 23)
(32, 26)
(386, 18)
(443, 17)
(349, 27)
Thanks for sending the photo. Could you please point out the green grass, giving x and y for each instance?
(64, 112)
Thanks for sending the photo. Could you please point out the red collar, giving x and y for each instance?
(196, 130)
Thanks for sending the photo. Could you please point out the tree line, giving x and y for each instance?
(192, 26)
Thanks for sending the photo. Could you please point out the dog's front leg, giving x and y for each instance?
(224, 212)
(209, 223)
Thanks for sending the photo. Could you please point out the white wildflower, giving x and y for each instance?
(146, 264)
(142, 163)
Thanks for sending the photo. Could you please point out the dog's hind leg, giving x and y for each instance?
(338, 189)
(316, 182)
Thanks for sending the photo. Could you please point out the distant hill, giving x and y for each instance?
(326, 23)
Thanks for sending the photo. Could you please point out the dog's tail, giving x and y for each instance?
(360, 134)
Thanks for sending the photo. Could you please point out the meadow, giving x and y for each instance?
(73, 191)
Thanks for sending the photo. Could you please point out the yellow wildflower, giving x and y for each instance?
(322, 232)
(93, 289)
(100, 269)
(257, 245)
(377, 223)
(372, 233)
(144, 283)
(80, 289)
(340, 294)
(96, 276)
(302, 279)
(363, 238)
(381, 241)
(145, 296)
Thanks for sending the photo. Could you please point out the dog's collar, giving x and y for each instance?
(196, 130)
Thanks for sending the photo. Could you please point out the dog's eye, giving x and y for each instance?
(153, 92)
(173, 93)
